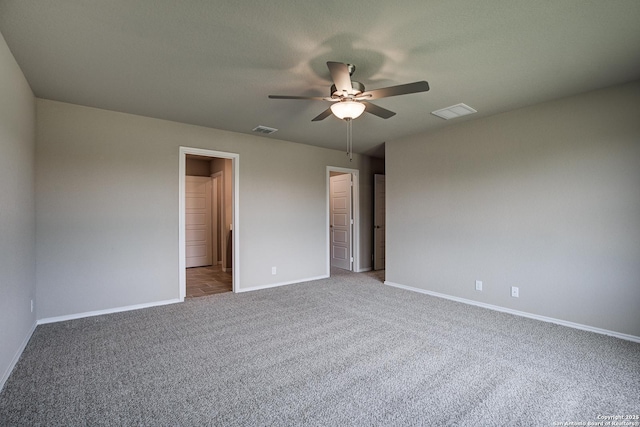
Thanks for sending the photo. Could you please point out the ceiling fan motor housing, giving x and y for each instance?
(357, 87)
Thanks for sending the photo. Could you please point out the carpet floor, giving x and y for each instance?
(344, 351)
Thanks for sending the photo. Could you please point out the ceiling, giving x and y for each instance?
(213, 63)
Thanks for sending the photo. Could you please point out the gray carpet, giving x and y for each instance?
(337, 352)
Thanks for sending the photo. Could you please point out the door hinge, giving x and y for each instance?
(352, 260)
(351, 222)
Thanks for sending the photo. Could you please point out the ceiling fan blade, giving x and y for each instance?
(317, 98)
(396, 90)
(326, 113)
(377, 110)
(340, 75)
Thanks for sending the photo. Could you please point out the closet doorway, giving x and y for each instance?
(208, 214)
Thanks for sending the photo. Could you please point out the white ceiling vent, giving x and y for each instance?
(454, 111)
(264, 130)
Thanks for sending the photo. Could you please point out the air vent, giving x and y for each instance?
(264, 130)
(454, 111)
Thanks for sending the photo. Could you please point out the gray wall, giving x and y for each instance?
(17, 210)
(107, 217)
(546, 198)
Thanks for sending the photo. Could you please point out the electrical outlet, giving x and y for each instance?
(273, 270)
(515, 292)
(478, 285)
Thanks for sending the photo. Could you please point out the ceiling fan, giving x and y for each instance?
(349, 97)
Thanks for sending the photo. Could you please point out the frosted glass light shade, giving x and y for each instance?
(347, 109)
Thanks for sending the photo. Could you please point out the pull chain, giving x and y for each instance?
(349, 138)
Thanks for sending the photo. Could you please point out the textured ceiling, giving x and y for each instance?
(213, 63)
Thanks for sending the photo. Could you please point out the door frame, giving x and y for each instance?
(235, 222)
(376, 178)
(355, 200)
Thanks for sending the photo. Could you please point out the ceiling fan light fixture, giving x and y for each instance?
(347, 109)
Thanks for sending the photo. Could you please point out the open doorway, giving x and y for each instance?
(342, 219)
(208, 222)
(208, 214)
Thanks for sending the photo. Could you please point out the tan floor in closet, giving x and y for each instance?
(209, 280)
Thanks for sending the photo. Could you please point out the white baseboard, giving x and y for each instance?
(520, 313)
(16, 357)
(363, 270)
(275, 285)
(107, 311)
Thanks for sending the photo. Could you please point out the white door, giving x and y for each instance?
(378, 222)
(340, 221)
(198, 221)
